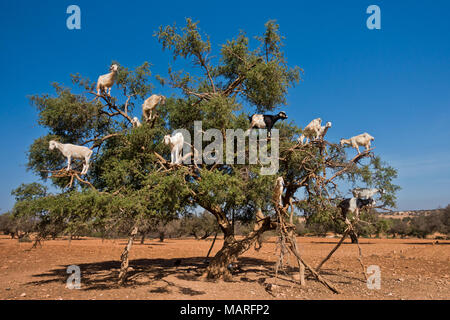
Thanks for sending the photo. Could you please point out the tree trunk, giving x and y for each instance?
(315, 274)
(218, 267)
(124, 256)
(232, 248)
(301, 266)
(212, 245)
(143, 238)
(294, 249)
(353, 237)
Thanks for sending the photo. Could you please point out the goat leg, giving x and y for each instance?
(68, 163)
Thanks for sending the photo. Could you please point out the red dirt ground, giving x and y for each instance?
(410, 269)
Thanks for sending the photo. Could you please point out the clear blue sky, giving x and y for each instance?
(393, 83)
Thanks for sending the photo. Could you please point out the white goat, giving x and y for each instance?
(135, 122)
(364, 193)
(72, 151)
(150, 104)
(363, 139)
(106, 81)
(324, 129)
(314, 130)
(278, 192)
(175, 143)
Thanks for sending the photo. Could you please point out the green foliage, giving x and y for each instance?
(188, 43)
(383, 226)
(421, 226)
(29, 191)
(6, 223)
(72, 117)
(379, 175)
(41, 159)
(263, 73)
(16, 226)
(399, 227)
(445, 220)
(135, 82)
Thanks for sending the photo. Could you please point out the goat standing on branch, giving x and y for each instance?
(72, 151)
(106, 81)
(361, 140)
(265, 121)
(314, 130)
(366, 193)
(150, 104)
(175, 143)
(135, 122)
(354, 205)
(324, 129)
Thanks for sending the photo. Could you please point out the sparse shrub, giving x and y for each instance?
(300, 228)
(200, 226)
(399, 227)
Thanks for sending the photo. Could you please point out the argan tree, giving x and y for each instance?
(131, 180)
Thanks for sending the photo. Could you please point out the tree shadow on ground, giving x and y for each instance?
(343, 243)
(104, 275)
(154, 272)
(330, 272)
(431, 243)
(143, 272)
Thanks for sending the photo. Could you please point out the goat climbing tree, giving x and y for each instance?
(131, 179)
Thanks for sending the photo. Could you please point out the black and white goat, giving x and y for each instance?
(354, 205)
(265, 121)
